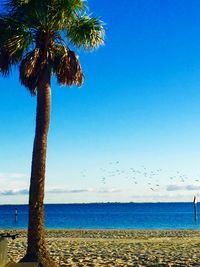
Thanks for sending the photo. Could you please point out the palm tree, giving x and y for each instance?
(35, 35)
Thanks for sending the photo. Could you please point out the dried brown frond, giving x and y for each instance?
(30, 69)
(68, 69)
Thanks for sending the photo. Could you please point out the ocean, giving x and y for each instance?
(106, 216)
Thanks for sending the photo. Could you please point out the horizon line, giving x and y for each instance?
(113, 202)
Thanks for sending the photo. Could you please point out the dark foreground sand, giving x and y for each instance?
(117, 248)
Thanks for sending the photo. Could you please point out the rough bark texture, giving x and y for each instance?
(36, 250)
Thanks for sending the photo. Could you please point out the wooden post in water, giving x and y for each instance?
(195, 207)
(16, 214)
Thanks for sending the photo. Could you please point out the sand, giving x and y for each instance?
(117, 248)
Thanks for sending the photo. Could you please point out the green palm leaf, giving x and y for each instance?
(14, 41)
(86, 32)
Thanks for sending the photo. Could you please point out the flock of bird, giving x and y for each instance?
(150, 178)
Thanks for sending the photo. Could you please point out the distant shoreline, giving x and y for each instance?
(102, 203)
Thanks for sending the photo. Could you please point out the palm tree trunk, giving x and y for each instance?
(36, 250)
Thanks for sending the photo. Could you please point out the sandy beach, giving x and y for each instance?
(117, 247)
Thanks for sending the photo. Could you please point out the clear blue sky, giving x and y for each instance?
(140, 105)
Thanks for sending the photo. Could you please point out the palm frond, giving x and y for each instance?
(30, 68)
(14, 42)
(86, 32)
(13, 3)
(47, 27)
(67, 68)
(5, 62)
(61, 11)
(32, 13)
(46, 13)
(68, 7)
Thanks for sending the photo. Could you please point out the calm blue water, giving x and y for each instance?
(106, 216)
